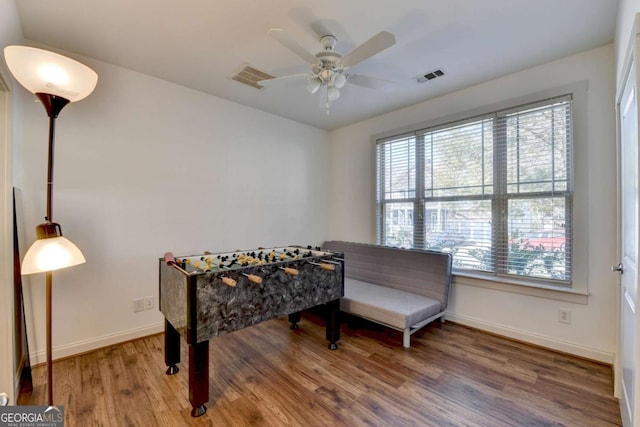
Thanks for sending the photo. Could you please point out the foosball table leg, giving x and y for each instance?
(333, 323)
(199, 411)
(171, 348)
(294, 318)
(199, 377)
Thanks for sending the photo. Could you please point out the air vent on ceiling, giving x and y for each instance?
(429, 76)
(250, 76)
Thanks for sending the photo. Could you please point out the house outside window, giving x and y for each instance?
(496, 191)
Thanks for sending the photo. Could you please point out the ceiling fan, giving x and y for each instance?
(330, 68)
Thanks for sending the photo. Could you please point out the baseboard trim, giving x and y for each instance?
(536, 339)
(85, 346)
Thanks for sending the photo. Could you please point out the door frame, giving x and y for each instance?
(632, 56)
(8, 382)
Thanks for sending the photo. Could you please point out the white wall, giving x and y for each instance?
(142, 167)
(532, 318)
(627, 10)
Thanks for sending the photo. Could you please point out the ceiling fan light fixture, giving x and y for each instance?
(333, 93)
(326, 75)
(338, 80)
(313, 84)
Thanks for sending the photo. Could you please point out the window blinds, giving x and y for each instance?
(494, 190)
(534, 238)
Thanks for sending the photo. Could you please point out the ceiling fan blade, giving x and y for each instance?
(277, 80)
(287, 41)
(374, 45)
(369, 82)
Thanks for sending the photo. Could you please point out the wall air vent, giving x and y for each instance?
(422, 78)
(250, 76)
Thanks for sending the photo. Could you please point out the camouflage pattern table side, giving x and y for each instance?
(210, 308)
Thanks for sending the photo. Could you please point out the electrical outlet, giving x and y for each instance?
(138, 305)
(148, 303)
(564, 316)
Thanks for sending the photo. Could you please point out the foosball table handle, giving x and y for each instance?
(324, 266)
(291, 271)
(169, 259)
(228, 281)
(253, 278)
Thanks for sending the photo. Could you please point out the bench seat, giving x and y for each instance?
(392, 307)
(404, 289)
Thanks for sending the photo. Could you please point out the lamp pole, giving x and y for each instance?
(49, 280)
(53, 104)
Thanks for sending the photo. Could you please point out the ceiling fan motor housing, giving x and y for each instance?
(328, 42)
(328, 58)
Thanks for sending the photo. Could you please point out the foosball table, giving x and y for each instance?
(208, 295)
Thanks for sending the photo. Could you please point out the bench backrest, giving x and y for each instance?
(426, 273)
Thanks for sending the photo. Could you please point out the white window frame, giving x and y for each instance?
(578, 292)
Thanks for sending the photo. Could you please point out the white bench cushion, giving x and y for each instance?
(390, 306)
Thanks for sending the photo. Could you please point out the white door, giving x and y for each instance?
(628, 114)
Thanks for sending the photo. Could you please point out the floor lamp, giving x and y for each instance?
(56, 80)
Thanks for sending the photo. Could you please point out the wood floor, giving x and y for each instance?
(267, 375)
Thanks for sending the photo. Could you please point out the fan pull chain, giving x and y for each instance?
(328, 102)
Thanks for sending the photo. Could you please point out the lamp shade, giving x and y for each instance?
(50, 254)
(41, 71)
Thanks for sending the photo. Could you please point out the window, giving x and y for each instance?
(493, 190)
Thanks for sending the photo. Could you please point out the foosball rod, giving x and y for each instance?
(279, 255)
(301, 252)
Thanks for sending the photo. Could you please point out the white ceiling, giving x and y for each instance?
(200, 43)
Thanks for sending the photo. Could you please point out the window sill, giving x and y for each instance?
(557, 293)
